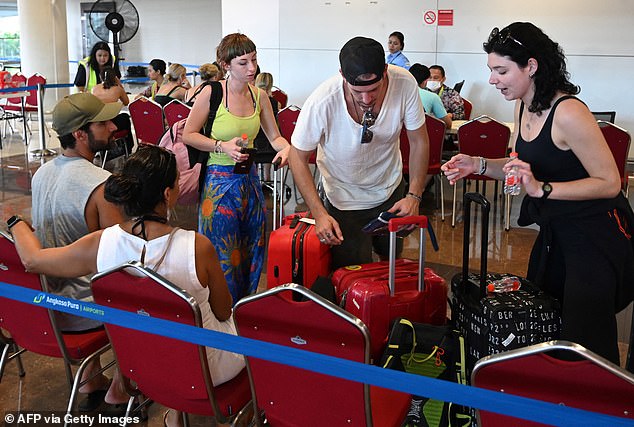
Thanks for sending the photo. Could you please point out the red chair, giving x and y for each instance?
(436, 135)
(32, 328)
(146, 358)
(468, 107)
(280, 96)
(287, 119)
(296, 397)
(618, 140)
(14, 105)
(147, 119)
(175, 111)
(486, 137)
(589, 382)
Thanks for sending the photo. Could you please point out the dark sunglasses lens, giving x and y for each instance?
(494, 33)
(366, 135)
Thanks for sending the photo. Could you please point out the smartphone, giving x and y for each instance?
(245, 166)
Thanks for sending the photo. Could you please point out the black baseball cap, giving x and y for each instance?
(360, 56)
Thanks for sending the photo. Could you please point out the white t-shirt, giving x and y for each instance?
(358, 176)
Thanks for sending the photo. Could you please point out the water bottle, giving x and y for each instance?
(505, 284)
(512, 183)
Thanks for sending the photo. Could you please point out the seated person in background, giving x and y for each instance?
(265, 82)
(145, 190)
(91, 67)
(431, 101)
(155, 71)
(396, 44)
(111, 90)
(172, 87)
(208, 73)
(450, 98)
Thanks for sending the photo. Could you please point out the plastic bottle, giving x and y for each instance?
(505, 284)
(512, 183)
(245, 141)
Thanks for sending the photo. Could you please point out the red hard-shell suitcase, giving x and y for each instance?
(295, 253)
(380, 292)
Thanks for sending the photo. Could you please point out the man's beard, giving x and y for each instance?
(96, 145)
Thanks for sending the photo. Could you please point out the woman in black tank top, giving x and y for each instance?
(583, 254)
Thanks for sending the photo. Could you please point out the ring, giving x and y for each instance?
(328, 235)
(322, 240)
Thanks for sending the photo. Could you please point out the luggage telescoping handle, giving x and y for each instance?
(393, 225)
(486, 207)
(278, 211)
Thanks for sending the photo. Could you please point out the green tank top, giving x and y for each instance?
(228, 126)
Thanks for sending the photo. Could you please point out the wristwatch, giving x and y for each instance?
(13, 221)
(547, 189)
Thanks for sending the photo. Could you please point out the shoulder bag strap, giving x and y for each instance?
(167, 246)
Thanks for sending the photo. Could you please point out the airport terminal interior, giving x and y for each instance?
(44, 387)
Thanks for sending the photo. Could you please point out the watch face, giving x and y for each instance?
(547, 188)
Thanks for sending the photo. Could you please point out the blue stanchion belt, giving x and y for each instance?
(506, 404)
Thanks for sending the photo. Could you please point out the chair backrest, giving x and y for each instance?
(174, 111)
(34, 80)
(30, 326)
(484, 136)
(280, 96)
(436, 135)
(292, 396)
(147, 118)
(146, 358)
(618, 140)
(468, 107)
(589, 382)
(17, 80)
(458, 86)
(608, 116)
(287, 119)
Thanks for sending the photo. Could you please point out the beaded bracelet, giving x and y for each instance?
(414, 196)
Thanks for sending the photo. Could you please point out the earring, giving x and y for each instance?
(531, 75)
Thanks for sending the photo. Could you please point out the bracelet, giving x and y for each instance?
(414, 196)
(483, 166)
(218, 147)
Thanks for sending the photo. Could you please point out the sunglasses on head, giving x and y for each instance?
(366, 133)
(502, 36)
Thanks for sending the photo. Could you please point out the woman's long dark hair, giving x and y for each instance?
(527, 41)
(93, 57)
(141, 184)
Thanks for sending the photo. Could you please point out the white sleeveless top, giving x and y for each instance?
(179, 267)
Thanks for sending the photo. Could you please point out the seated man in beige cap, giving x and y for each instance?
(68, 203)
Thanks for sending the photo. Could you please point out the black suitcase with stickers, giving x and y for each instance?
(492, 322)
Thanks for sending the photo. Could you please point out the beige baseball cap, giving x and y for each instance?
(74, 111)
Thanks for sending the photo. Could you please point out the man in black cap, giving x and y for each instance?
(354, 122)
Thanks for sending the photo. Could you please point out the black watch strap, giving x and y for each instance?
(13, 221)
(547, 189)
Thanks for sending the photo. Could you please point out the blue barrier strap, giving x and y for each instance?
(511, 405)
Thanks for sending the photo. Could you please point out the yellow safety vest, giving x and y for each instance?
(91, 75)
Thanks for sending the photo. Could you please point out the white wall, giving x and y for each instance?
(299, 41)
(596, 36)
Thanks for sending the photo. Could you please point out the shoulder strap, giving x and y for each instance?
(172, 90)
(167, 246)
(214, 102)
(195, 94)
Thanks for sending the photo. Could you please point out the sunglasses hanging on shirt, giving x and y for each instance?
(367, 121)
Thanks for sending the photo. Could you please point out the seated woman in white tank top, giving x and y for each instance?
(146, 189)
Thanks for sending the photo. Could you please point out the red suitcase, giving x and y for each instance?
(380, 292)
(295, 253)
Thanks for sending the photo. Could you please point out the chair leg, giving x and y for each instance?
(442, 199)
(507, 213)
(453, 212)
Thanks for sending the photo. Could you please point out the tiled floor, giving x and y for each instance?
(44, 388)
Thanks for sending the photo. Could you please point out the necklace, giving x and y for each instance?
(355, 104)
(227, 97)
(139, 222)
